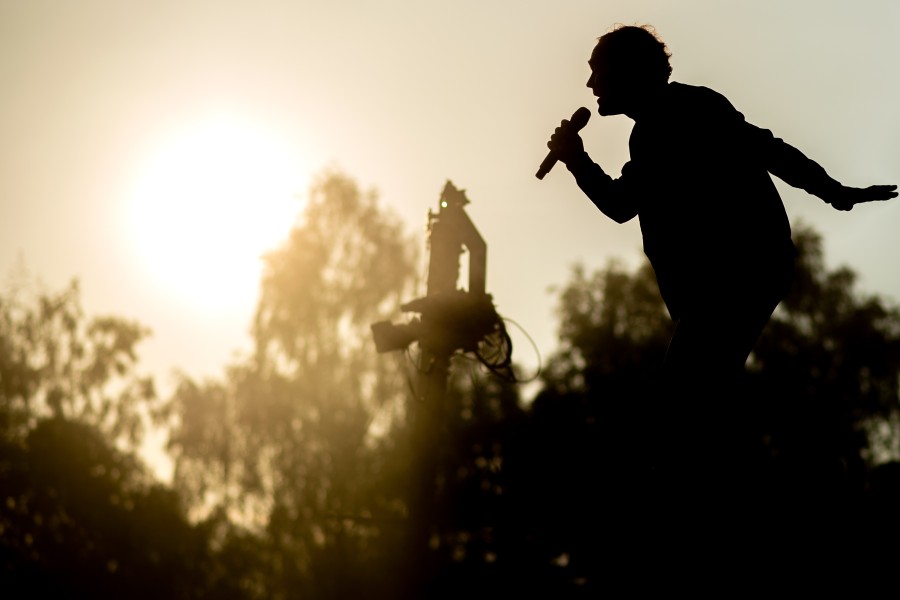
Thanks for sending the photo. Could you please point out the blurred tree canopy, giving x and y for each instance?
(819, 398)
(56, 362)
(829, 364)
(825, 368)
(298, 441)
(307, 443)
(79, 515)
(293, 469)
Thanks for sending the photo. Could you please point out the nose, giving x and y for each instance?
(594, 83)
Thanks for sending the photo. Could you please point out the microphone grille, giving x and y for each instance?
(580, 117)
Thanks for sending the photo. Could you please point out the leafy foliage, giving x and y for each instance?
(829, 362)
(316, 443)
(824, 373)
(300, 467)
(294, 441)
(53, 361)
(79, 515)
(82, 519)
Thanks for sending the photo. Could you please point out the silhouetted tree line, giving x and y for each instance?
(292, 469)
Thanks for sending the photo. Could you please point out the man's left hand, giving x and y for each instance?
(845, 198)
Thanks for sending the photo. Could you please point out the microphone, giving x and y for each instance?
(578, 121)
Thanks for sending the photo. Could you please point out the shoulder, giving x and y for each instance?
(702, 105)
(697, 94)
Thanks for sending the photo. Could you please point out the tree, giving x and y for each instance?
(829, 363)
(55, 362)
(294, 441)
(829, 354)
(79, 514)
(826, 368)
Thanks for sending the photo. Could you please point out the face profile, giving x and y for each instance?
(628, 65)
(600, 84)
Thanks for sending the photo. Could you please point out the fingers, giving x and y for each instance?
(874, 193)
(561, 135)
(562, 130)
(555, 137)
(882, 192)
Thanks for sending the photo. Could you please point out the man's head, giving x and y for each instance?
(628, 64)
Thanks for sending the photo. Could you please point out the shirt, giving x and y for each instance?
(713, 224)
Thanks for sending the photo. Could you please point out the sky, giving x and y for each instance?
(153, 150)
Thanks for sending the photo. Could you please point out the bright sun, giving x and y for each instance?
(207, 204)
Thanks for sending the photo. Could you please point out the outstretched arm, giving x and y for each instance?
(794, 168)
(612, 196)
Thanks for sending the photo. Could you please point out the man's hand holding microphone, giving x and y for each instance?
(565, 143)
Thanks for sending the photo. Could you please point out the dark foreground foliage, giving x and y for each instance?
(295, 471)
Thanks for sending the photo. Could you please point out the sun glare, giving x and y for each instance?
(208, 202)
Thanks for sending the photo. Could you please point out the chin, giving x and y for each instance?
(606, 111)
(606, 108)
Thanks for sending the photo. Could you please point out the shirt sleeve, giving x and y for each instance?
(616, 198)
(787, 162)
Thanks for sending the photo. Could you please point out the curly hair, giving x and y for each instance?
(638, 48)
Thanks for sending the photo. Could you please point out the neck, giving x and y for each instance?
(646, 103)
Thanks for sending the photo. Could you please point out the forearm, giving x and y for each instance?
(606, 193)
(804, 173)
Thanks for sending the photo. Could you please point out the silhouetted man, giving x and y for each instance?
(713, 225)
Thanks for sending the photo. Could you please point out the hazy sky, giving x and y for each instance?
(135, 137)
